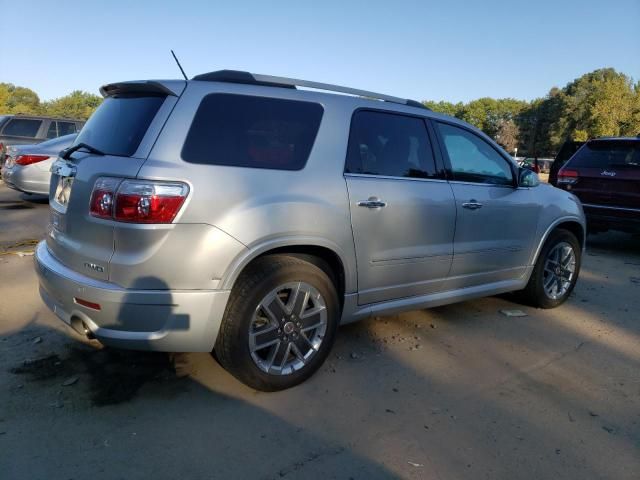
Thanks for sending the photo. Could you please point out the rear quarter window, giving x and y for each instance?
(254, 132)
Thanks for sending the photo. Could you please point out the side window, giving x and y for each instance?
(65, 128)
(22, 127)
(389, 144)
(254, 132)
(52, 132)
(472, 159)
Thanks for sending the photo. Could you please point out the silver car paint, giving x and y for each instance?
(393, 258)
(34, 178)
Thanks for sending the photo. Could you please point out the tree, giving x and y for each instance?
(600, 103)
(15, 99)
(507, 135)
(77, 104)
(447, 108)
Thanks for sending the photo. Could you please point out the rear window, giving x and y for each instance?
(254, 132)
(22, 127)
(119, 123)
(608, 154)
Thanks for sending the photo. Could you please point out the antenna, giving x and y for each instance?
(179, 66)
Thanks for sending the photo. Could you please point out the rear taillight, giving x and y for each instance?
(137, 201)
(102, 197)
(567, 176)
(29, 159)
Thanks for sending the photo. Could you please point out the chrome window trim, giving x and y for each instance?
(390, 177)
(460, 182)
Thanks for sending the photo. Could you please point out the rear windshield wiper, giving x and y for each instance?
(66, 153)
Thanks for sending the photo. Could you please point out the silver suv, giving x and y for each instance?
(238, 214)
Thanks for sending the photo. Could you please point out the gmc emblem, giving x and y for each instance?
(94, 266)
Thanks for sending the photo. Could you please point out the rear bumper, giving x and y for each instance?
(27, 181)
(159, 320)
(600, 217)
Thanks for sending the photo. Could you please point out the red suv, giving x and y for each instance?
(605, 175)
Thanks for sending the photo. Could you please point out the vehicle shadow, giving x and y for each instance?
(453, 392)
(132, 416)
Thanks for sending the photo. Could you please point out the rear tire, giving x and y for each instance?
(275, 304)
(555, 273)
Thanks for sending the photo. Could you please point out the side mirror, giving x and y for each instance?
(528, 178)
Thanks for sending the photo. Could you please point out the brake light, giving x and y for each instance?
(29, 159)
(102, 197)
(137, 201)
(567, 176)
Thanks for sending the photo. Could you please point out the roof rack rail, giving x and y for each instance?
(236, 76)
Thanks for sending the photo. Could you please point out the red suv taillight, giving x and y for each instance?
(29, 159)
(137, 201)
(567, 176)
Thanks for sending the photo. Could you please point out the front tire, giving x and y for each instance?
(556, 271)
(279, 324)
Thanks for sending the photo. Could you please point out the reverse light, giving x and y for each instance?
(567, 177)
(137, 201)
(29, 159)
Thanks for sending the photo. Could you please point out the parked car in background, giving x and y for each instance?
(566, 152)
(30, 129)
(234, 212)
(605, 175)
(27, 167)
(537, 165)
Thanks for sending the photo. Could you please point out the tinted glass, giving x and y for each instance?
(255, 132)
(65, 128)
(22, 127)
(473, 159)
(52, 132)
(608, 154)
(390, 145)
(119, 123)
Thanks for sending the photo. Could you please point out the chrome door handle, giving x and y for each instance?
(472, 205)
(372, 202)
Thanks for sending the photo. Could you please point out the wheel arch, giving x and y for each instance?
(572, 224)
(332, 260)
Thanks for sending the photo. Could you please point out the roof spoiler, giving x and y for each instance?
(148, 87)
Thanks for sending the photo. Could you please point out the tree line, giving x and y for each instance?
(21, 100)
(601, 103)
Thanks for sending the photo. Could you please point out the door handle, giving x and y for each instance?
(472, 205)
(372, 202)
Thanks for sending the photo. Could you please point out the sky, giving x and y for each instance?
(437, 50)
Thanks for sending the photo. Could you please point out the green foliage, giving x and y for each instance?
(78, 105)
(18, 99)
(601, 103)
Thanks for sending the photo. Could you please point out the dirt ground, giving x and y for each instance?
(454, 392)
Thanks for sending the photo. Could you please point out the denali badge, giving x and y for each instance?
(608, 174)
(94, 266)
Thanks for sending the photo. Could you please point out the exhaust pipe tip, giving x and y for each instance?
(87, 332)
